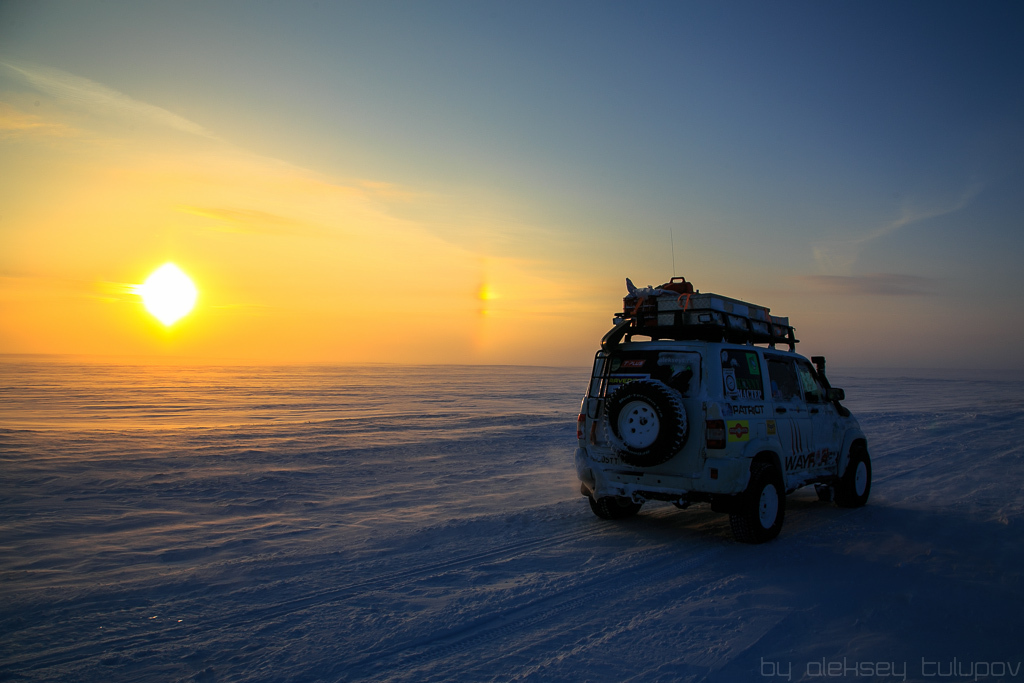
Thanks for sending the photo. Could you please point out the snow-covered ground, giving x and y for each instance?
(424, 523)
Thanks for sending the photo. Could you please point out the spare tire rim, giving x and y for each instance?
(638, 425)
(860, 481)
(768, 506)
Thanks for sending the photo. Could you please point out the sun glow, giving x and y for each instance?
(168, 294)
(486, 293)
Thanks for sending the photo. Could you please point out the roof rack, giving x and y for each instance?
(663, 314)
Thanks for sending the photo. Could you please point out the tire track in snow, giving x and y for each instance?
(420, 652)
(524, 618)
(417, 654)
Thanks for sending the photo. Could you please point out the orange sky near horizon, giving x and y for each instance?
(291, 265)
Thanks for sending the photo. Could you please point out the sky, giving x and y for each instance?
(472, 182)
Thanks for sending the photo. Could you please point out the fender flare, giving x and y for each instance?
(851, 436)
(762, 450)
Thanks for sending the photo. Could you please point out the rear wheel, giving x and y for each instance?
(854, 486)
(761, 508)
(614, 507)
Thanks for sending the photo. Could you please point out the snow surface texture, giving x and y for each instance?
(424, 523)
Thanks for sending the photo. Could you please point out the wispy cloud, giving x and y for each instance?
(389, 191)
(14, 122)
(873, 284)
(253, 222)
(22, 286)
(840, 256)
(98, 98)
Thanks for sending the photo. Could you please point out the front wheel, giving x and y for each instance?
(854, 486)
(614, 507)
(761, 508)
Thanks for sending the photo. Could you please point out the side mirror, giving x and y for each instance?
(836, 394)
(819, 364)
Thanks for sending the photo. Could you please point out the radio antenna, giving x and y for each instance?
(672, 240)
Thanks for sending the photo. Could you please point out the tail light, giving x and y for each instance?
(581, 421)
(715, 433)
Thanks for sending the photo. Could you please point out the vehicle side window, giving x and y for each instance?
(809, 383)
(785, 385)
(741, 374)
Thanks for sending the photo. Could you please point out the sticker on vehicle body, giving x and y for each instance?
(747, 410)
(815, 460)
(739, 430)
(770, 424)
(679, 360)
(729, 379)
(796, 437)
(616, 381)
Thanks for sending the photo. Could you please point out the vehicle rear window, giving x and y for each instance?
(741, 374)
(678, 369)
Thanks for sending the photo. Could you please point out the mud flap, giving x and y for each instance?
(726, 504)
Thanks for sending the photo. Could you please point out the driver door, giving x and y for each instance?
(791, 419)
(826, 428)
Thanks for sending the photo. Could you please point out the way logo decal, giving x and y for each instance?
(739, 430)
(816, 460)
(796, 437)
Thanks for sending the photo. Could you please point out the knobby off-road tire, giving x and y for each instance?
(761, 508)
(854, 487)
(645, 421)
(614, 507)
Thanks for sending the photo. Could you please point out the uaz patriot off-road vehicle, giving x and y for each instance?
(708, 409)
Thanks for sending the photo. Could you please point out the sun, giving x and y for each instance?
(168, 294)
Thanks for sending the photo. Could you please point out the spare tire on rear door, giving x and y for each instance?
(645, 422)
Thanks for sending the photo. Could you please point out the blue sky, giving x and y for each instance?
(830, 160)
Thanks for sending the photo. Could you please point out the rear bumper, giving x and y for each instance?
(721, 476)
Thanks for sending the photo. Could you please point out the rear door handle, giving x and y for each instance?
(780, 410)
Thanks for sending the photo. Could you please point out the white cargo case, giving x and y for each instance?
(710, 317)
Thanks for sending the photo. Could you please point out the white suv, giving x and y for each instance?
(690, 415)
